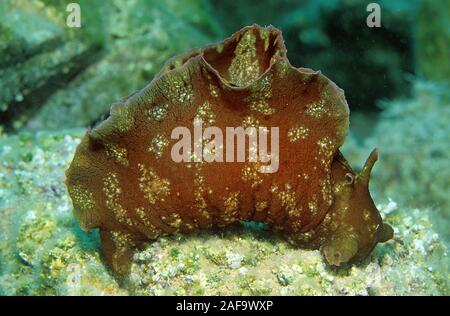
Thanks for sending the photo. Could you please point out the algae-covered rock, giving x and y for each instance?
(243, 261)
(24, 34)
(51, 70)
(139, 38)
(433, 39)
(43, 251)
(31, 81)
(37, 58)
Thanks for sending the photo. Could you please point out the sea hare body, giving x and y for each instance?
(124, 180)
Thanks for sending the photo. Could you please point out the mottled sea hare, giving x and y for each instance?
(124, 181)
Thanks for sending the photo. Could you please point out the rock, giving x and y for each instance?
(47, 73)
(27, 84)
(38, 57)
(413, 137)
(23, 35)
(137, 46)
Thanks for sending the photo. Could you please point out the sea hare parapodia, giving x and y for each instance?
(123, 180)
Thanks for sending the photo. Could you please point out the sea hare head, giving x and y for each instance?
(357, 222)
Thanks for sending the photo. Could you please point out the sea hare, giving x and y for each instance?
(125, 181)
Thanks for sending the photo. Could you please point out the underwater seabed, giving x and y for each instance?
(43, 251)
(75, 74)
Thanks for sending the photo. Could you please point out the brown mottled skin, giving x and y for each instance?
(123, 180)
